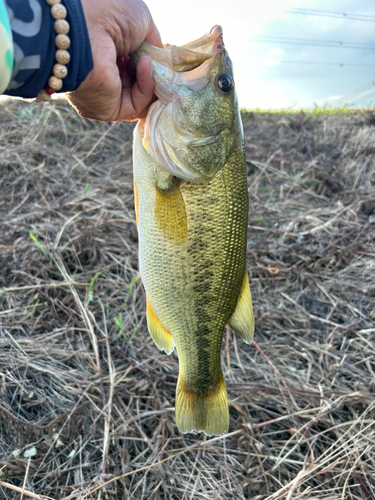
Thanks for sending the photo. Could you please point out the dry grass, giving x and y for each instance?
(81, 381)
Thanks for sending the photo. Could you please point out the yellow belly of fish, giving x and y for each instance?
(192, 246)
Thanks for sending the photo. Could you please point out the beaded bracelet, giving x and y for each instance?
(62, 56)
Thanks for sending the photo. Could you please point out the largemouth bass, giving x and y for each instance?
(191, 207)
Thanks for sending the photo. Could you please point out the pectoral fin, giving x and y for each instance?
(159, 334)
(242, 320)
(170, 213)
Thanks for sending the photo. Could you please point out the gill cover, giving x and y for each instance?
(190, 129)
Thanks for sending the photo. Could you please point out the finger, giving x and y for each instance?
(131, 68)
(126, 80)
(144, 111)
(140, 115)
(138, 97)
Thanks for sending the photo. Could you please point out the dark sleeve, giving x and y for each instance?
(34, 46)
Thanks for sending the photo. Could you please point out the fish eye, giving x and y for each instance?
(225, 83)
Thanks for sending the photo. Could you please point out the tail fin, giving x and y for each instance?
(208, 413)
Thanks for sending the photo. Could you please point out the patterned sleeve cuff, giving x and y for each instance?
(6, 49)
(34, 46)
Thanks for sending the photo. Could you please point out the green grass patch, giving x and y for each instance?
(38, 244)
(316, 110)
(120, 324)
(90, 294)
(130, 289)
(87, 186)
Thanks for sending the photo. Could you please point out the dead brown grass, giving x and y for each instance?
(81, 381)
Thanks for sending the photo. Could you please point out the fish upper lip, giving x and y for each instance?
(211, 36)
(181, 58)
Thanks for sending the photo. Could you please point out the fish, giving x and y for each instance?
(191, 204)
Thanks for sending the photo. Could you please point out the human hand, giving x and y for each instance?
(112, 91)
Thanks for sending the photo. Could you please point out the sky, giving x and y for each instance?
(264, 78)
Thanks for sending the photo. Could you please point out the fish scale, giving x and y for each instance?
(192, 237)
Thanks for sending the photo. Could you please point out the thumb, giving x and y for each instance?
(153, 36)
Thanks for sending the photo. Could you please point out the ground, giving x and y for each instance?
(87, 399)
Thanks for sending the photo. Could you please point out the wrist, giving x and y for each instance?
(81, 61)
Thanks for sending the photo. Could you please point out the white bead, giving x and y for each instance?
(62, 42)
(61, 27)
(42, 96)
(60, 71)
(53, 2)
(62, 56)
(55, 83)
(58, 11)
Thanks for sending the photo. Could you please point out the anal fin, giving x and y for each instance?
(202, 412)
(242, 320)
(162, 338)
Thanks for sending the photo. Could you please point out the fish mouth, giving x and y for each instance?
(188, 65)
(213, 40)
(181, 58)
